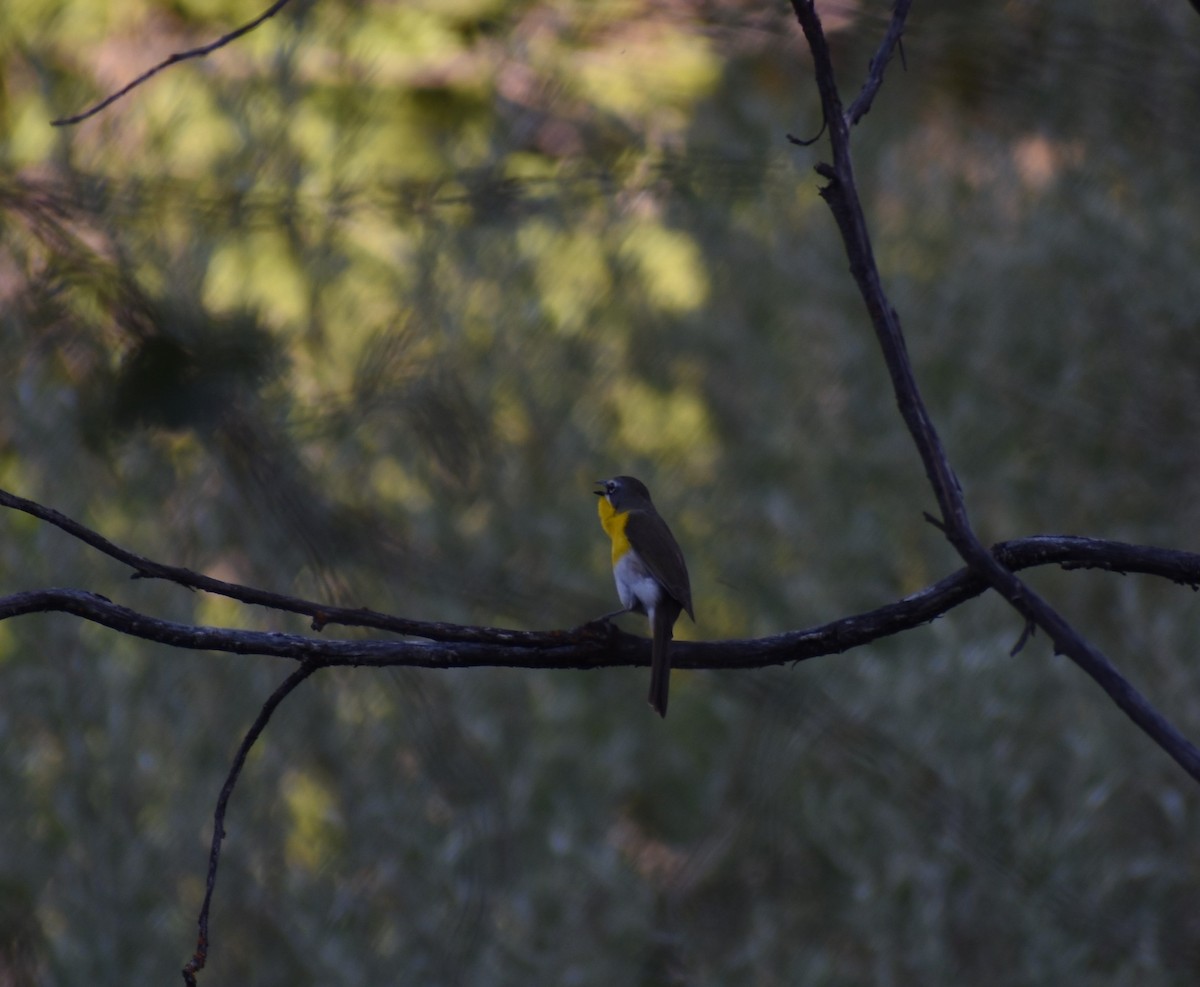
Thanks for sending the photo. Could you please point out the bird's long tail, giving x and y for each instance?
(662, 622)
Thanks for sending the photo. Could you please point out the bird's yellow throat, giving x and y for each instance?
(614, 524)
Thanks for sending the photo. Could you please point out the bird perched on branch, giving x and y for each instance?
(649, 570)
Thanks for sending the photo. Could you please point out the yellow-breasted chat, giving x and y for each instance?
(649, 570)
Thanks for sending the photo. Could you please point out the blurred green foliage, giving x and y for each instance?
(357, 308)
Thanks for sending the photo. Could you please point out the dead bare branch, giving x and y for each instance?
(891, 43)
(175, 59)
(841, 194)
(285, 688)
(592, 645)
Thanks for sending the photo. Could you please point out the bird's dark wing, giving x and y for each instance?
(659, 551)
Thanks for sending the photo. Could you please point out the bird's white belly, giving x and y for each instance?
(637, 589)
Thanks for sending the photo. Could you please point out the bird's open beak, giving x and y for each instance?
(601, 484)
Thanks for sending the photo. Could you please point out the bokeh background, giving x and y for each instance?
(358, 307)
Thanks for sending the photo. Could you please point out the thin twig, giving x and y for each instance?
(807, 141)
(841, 194)
(892, 41)
(196, 963)
(179, 56)
(322, 615)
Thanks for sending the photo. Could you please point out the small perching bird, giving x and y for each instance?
(649, 571)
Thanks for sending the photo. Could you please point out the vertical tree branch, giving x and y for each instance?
(841, 193)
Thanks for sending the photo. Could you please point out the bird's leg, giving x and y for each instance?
(603, 625)
(609, 616)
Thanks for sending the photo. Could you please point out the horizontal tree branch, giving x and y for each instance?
(323, 651)
(603, 645)
(322, 615)
(1068, 551)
